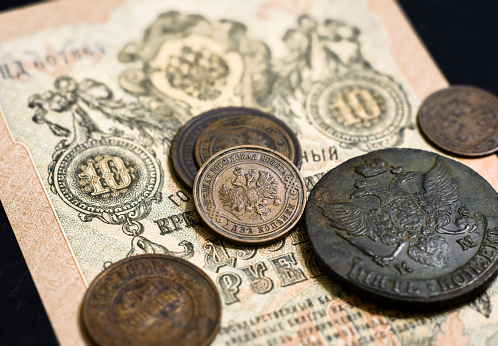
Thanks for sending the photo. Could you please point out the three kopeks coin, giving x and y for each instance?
(152, 300)
(406, 227)
(249, 194)
(462, 120)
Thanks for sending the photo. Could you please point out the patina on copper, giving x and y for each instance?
(182, 152)
(406, 227)
(262, 130)
(462, 120)
(249, 194)
(152, 300)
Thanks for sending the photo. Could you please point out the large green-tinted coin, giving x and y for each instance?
(406, 227)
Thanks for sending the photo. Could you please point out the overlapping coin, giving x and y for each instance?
(262, 129)
(249, 194)
(462, 120)
(265, 130)
(152, 300)
(406, 227)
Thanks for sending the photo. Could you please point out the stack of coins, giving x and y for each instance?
(243, 168)
(222, 128)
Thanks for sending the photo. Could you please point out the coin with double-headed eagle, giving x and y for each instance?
(152, 300)
(249, 194)
(406, 227)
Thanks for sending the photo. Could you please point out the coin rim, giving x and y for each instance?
(84, 306)
(285, 129)
(227, 235)
(424, 113)
(442, 301)
(176, 155)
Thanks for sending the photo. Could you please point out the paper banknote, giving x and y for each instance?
(92, 94)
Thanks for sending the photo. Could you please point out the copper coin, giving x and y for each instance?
(152, 300)
(182, 152)
(262, 130)
(249, 194)
(406, 227)
(462, 120)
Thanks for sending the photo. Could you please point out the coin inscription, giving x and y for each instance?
(153, 300)
(249, 194)
(462, 120)
(266, 131)
(405, 226)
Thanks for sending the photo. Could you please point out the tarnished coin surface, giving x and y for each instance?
(254, 129)
(152, 300)
(249, 194)
(406, 227)
(462, 120)
(182, 152)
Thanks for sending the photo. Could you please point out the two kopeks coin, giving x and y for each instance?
(406, 227)
(222, 128)
(152, 300)
(462, 120)
(249, 194)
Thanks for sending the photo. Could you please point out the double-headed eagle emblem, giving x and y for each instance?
(250, 192)
(402, 218)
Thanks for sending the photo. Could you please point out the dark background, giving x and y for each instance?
(460, 35)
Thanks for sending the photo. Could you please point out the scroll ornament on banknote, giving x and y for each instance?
(102, 173)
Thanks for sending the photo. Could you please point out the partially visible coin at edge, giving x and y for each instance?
(256, 128)
(249, 194)
(182, 152)
(152, 300)
(462, 120)
(406, 227)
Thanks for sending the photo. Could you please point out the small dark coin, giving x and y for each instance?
(182, 152)
(406, 227)
(152, 300)
(249, 194)
(462, 120)
(255, 129)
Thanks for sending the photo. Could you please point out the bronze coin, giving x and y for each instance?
(152, 300)
(182, 152)
(264, 130)
(406, 227)
(249, 194)
(462, 120)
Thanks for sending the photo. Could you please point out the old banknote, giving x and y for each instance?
(91, 100)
